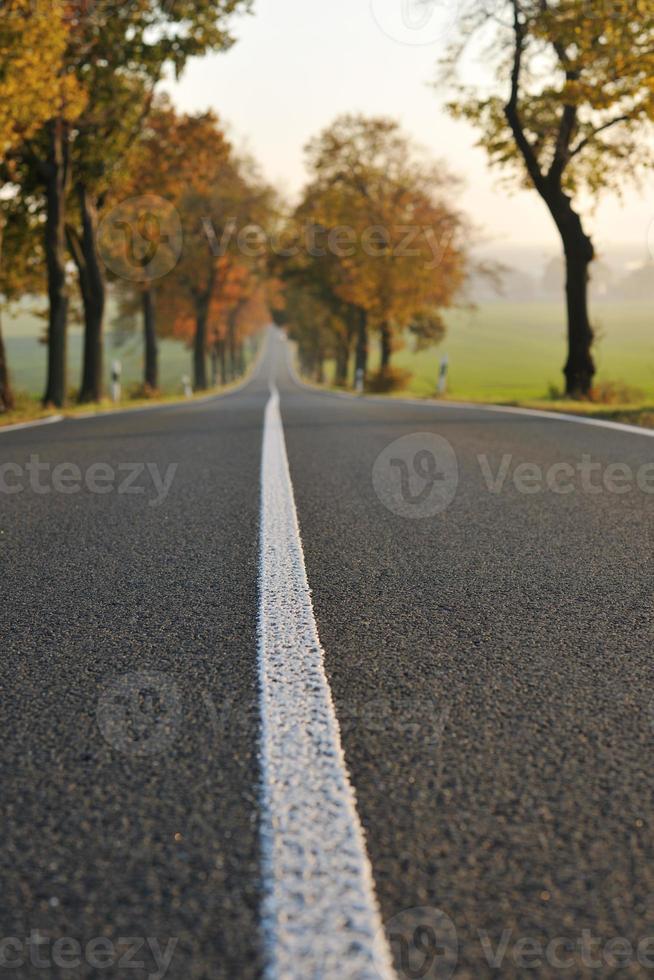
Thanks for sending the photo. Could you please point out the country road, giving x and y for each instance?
(282, 695)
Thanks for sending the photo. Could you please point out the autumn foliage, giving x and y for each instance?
(378, 247)
(77, 87)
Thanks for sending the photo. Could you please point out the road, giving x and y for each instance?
(470, 738)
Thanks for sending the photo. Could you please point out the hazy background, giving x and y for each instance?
(298, 64)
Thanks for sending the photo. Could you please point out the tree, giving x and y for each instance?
(577, 92)
(106, 130)
(32, 43)
(321, 322)
(156, 164)
(224, 211)
(115, 40)
(316, 329)
(174, 156)
(392, 244)
(241, 311)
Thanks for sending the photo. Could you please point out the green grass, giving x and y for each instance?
(27, 356)
(27, 364)
(516, 351)
(513, 353)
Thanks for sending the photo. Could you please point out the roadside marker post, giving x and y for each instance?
(186, 385)
(116, 371)
(442, 375)
(358, 383)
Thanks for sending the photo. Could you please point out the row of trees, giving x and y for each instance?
(101, 175)
(172, 242)
(111, 180)
(78, 119)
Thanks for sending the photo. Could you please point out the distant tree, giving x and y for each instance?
(242, 311)
(230, 318)
(319, 320)
(175, 157)
(224, 210)
(567, 106)
(427, 328)
(398, 245)
(315, 326)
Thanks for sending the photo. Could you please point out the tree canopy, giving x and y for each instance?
(565, 106)
(379, 244)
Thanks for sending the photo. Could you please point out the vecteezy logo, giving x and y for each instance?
(424, 944)
(141, 238)
(140, 713)
(416, 475)
(415, 22)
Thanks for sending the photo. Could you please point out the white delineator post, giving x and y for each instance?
(442, 374)
(116, 371)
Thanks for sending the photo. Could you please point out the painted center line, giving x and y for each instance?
(320, 913)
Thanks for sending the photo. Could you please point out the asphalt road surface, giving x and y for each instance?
(481, 584)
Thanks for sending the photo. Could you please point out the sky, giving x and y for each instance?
(298, 64)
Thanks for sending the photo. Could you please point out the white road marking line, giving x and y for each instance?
(542, 414)
(320, 913)
(31, 425)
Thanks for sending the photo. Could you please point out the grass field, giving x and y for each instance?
(27, 357)
(27, 363)
(515, 352)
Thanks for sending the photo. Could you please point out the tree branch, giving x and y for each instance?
(600, 129)
(511, 109)
(564, 136)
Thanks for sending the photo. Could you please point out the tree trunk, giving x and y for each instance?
(361, 354)
(93, 289)
(150, 349)
(579, 368)
(6, 395)
(214, 365)
(342, 360)
(223, 361)
(385, 346)
(231, 344)
(343, 349)
(199, 347)
(579, 253)
(56, 185)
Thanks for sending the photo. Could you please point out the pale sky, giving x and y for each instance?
(298, 64)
